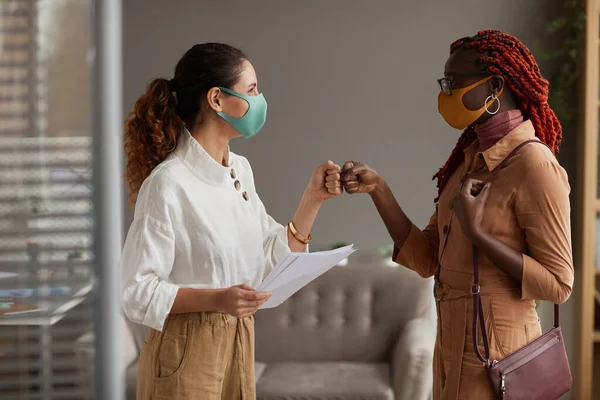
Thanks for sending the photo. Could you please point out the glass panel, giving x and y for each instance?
(46, 211)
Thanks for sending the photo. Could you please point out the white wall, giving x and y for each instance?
(344, 79)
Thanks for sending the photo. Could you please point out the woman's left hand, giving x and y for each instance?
(325, 182)
(469, 206)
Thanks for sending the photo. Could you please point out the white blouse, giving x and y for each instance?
(197, 224)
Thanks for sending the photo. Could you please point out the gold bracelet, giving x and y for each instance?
(297, 235)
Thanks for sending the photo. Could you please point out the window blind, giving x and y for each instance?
(46, 206)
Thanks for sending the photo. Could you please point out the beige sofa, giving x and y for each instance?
(354, 333)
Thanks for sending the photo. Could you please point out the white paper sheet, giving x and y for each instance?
(296, 270)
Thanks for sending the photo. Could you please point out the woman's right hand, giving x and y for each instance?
(241, 301)
(359, 178)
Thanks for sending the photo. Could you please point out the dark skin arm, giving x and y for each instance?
(359, 178)
(469, 209)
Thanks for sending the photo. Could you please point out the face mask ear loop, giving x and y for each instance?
(493, 97)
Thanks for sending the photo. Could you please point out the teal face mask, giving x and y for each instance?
(254, 119)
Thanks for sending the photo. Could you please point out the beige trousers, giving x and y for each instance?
(208, 356)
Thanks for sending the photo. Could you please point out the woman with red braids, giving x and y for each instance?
(493, 90)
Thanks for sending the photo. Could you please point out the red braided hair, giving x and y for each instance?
(505, 55)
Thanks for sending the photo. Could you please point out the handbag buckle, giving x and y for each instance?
(475, 289)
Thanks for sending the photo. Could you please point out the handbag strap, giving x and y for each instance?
(478, 316)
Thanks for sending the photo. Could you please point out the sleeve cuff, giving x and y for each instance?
(530, 280)
(281, 245)
(400, 254)
(276, 246)
(160, 305)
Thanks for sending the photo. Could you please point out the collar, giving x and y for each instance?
(193, 155)
(498, 152)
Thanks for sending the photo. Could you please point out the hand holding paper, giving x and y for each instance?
(296, 270)
(242, 301)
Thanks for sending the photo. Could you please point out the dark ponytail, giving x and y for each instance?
(159, 115)
(151, 132)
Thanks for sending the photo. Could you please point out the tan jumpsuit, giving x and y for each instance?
(528, 209)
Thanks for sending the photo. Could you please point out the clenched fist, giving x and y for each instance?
(359, 178)
(325, 182)
(469, 206)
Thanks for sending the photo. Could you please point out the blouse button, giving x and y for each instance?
(237, 185)
(481, 156)
(446, 229)
(232, 173)
(245, 196)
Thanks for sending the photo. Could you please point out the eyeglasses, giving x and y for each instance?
(447, 84)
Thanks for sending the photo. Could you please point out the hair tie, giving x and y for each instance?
(173, 86)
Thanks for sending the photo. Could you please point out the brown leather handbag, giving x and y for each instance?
(538, 371)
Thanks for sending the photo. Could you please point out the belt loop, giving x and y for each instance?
(436, 285)
(197, 319)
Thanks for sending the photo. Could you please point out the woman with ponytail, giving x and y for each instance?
(493, 90)
(201, 239)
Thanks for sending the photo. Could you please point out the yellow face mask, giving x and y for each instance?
(453, 109)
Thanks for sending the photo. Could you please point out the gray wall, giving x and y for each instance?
(345, 79)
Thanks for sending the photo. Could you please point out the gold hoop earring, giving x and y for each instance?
(493, 97)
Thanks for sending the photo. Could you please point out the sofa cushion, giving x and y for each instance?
(412, 369)
(349, 314)
(325, 381)
(259, 369)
